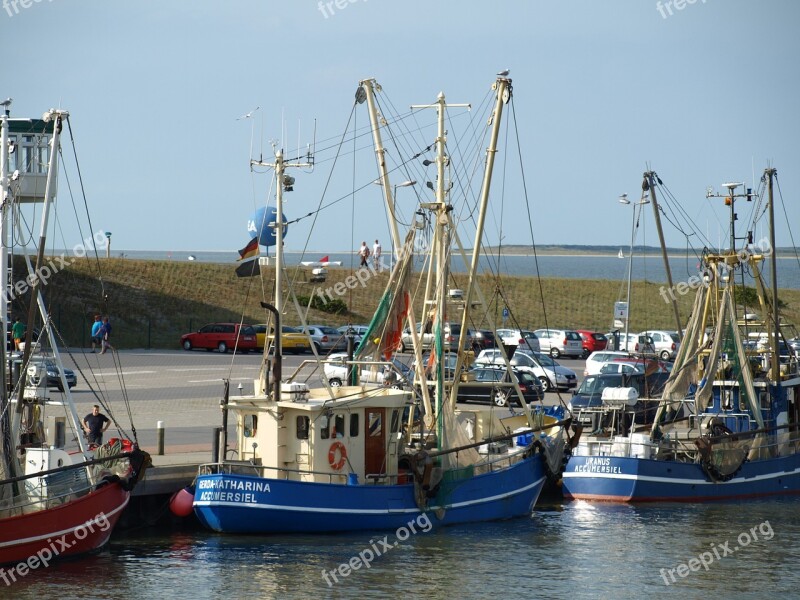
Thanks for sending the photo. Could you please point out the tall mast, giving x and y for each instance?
(649, 181)
(441, 244)
(502, 89)
(776, 376)
(280, 166)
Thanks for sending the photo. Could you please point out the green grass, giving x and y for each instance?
(151, 303)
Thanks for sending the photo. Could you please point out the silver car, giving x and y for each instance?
(560, 341)
(325, 339)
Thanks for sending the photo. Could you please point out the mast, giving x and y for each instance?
(776, 376)
(282, 180)
(649, 182)
(8, 464)
(503, 90)
(441, 244)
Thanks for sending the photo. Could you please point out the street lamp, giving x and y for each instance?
(623, 199)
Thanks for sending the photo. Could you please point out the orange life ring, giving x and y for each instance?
(337, 465)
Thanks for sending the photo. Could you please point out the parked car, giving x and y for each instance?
(636, 344)
(222, 337)
(632, 364)
(596, 360)
(560, 341)
(452, 334)
(794, 344)
(665, 343)
(549, 373)
(48, 364)
(498, 395)
(358, 332)
(522, 339)
(335, 368)
(592, 341)
(589, 395)
(482, 339)
(325, 339)
(292, 341)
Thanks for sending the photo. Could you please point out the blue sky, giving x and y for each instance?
(705, 95)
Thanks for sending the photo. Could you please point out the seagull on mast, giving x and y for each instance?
(504, 73)
(248, 115)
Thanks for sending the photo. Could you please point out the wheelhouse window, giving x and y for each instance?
(302, 427)
(338, 427)
(354, 425)
(395, 424)
(250, 425)
(324, 427)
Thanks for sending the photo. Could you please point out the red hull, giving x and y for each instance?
(73, 528)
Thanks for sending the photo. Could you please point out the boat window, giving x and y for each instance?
(338, 427)
(250, 425)
(395, 425)
(324, 427)
(375, 424)
(354, 425)
(302, 428)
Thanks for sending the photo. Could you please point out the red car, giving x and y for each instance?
(592, 341)
(222, 337)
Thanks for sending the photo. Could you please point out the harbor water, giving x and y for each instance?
(575, 266)
(575, 550)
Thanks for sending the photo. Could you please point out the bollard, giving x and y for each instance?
(160, 437)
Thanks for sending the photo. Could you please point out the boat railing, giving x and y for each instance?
(234, 467)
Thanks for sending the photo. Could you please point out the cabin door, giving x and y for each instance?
(375, 442)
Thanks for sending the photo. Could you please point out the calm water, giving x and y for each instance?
(578, 550)
(650, 268)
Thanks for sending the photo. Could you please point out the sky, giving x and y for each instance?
(701, 92)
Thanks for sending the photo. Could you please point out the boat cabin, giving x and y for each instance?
(352, 437)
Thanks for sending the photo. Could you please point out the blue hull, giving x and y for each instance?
(619, 479)
(247, 504)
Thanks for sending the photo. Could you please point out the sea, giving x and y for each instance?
(573, 266)
(570, 550)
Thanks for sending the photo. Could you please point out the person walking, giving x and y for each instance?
(95, 425)
(18, 332)
(363, 252)
(105, 334)
(376, 254)
(96, 337)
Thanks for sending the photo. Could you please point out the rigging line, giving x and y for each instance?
(353, 219)
(86, 205)
(786, 217)
(679, 213)
(320, 206)
(528, 209)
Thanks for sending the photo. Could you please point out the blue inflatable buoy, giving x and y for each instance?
(258, 225)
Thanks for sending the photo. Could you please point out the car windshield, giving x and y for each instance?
(595, 385)
(523, 360)
(248, 330)
(546, 361)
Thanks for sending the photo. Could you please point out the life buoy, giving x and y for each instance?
(337, 465)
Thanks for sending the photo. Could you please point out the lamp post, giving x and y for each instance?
(623, 199)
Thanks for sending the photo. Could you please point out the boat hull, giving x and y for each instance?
(76, 527)
(248, 504)
(623, 479)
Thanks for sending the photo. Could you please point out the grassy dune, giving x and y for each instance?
(151, 303)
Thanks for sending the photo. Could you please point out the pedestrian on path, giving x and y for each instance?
(363, 252)
(97, 339)
(376, 254)
(105, 334)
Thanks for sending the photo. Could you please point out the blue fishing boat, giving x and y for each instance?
(375, 456)
(728, 422)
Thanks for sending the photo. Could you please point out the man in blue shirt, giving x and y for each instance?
(96, 337)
